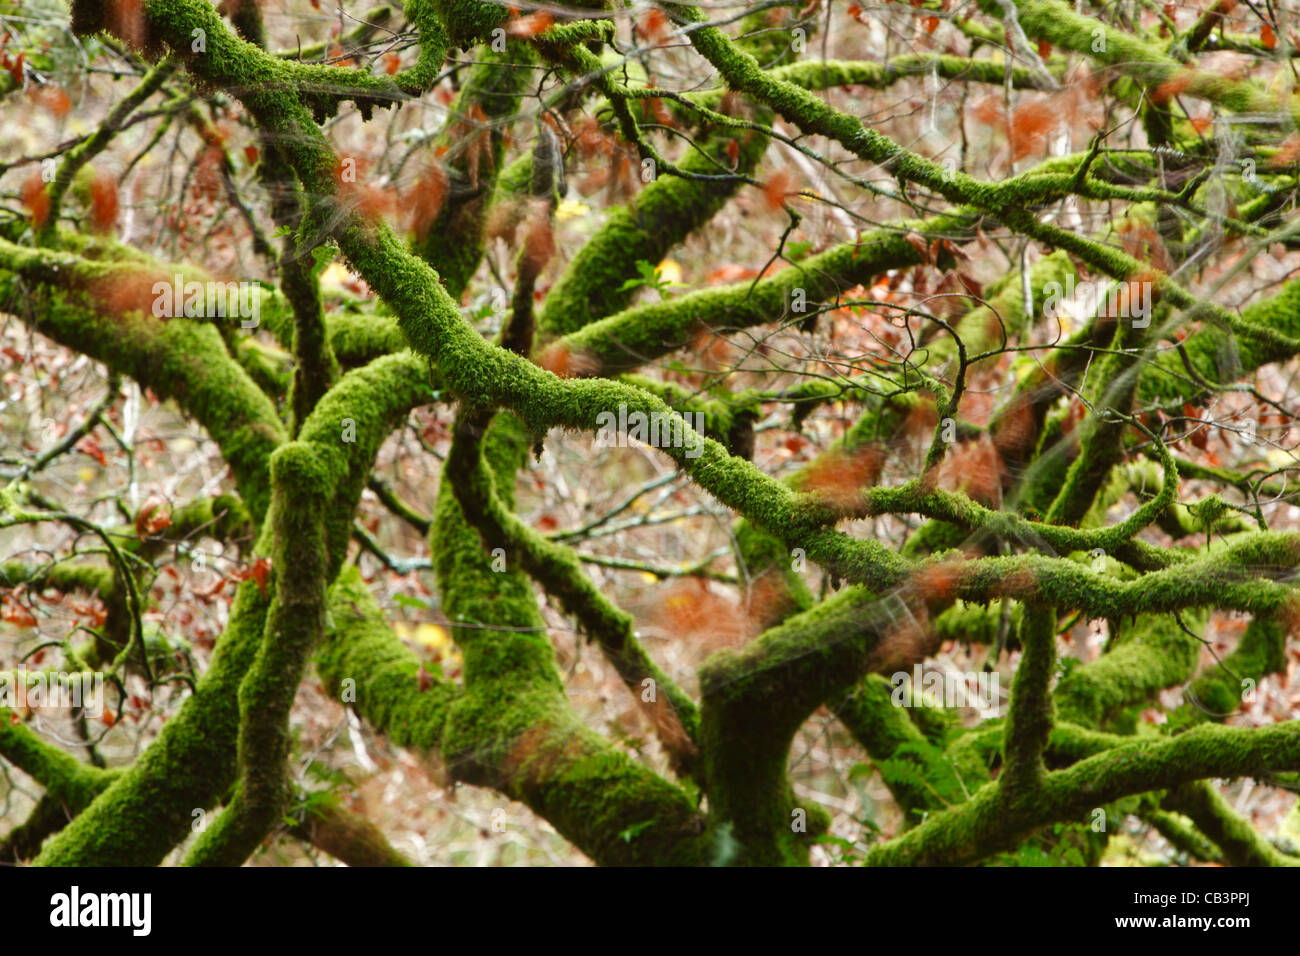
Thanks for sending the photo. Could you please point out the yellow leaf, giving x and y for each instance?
(570, 209)
(670, 271)
(335, 274)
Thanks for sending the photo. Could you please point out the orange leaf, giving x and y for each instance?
(973, 467)
(559, 360)
(530, 25)
(1287, 152)
(153, 516)
(730, 272)
(938, 581)
(103, 202)
(654, 26)
(917, 242)
(36, 199)
(839, 477)
(17, 614)
(1031, 123)
(122, 292)
(374, 202)
(261, 573)
(96, 614)
(54, 99)
(425, 199)
(988, 110)
(1163, 93)
(89, 445)
(1268, 37)
(692, 610)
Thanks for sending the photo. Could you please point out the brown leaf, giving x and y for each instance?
(154, 516)
(917, 242)
(89, 445)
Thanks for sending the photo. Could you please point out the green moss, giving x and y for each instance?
(494, 89)
(1148, 655)
(661, 215)
(1217, 693)
(1218, 356)
(347, 427)
(989, 823)
(919, 776)
(642, 333)
(180, 359)
(362, 662)
(358, 339)
(295, 621)
(1060, 25)
(348, 837)
(149, 809)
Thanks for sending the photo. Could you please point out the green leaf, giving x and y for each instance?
(798, 249)
(636, 830)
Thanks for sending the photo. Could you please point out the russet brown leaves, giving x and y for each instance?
(975, 468)
(778, 186)
(1036, 118)
(907, 638)
(560, 360)
(937, 581)
(1171, 88)
(694, 612)
(1141, 241)
(154, 516)
(125, 291)
(1288, 152)
(103, 202)
(13, 612)
(610, 163)
(36, 199)
(530, 25)
(259, 571)
(654, 26)
(839, 477)
(52, 98)
(425, 198)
